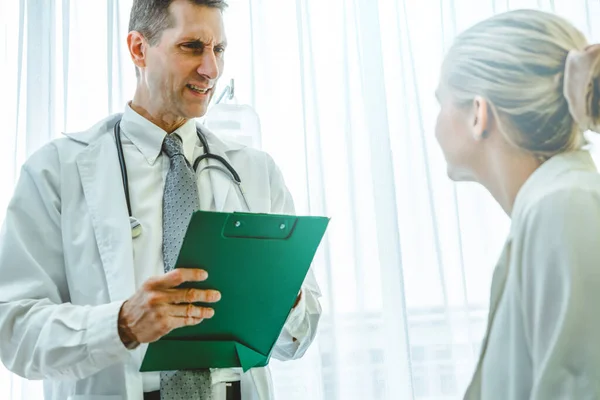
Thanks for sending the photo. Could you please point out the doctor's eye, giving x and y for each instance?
(219, 50)
(195, 46)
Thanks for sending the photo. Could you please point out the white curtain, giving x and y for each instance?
(344, 91)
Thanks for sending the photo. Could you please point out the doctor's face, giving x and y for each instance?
(180, 72)
(453, 132)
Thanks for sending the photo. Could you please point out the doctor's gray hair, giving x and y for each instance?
(516, 60)
(151, 17)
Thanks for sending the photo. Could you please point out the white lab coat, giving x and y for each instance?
(66, 266)
(543, 336)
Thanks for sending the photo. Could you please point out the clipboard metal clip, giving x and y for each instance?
(253, 226)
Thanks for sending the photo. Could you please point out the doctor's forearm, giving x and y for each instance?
(42, 340)
(300, 328)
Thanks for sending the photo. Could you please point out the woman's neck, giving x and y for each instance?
(505, 174)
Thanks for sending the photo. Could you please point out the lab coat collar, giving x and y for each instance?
(95, 132)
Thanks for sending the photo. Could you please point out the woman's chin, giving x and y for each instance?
(459, 174)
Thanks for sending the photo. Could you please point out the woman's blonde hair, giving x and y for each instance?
(516, 60)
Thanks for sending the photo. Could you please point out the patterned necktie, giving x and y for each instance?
(180, 200)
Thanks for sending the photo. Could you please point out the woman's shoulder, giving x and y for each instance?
(570, 188)
(567, 204)
(566, 181)
(566, 200)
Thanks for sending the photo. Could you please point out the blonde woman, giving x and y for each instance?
(516, 93)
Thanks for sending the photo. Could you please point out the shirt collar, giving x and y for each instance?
(148, 138)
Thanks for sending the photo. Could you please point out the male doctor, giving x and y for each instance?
(81, 294)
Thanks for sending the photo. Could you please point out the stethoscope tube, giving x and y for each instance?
(206, 155)
(121, 156)
(228, 170)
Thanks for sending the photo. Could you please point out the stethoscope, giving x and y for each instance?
(225, 167)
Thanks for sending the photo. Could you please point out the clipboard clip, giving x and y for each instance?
(259, 226)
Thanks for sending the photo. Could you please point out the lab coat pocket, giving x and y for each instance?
(94, 397)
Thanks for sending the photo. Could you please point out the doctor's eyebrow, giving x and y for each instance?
(199, 44)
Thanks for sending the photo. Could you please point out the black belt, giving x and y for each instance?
(234, 392)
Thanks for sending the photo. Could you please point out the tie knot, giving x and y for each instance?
(172, 145)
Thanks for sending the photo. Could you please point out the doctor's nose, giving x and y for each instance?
(210, 65)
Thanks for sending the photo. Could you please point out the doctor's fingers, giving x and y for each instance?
(191, 311)
(156, 298)
(175, 278)
(179, 296)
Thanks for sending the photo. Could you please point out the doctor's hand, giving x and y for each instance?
(158, 307)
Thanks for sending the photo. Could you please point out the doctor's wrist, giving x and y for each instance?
(125, 333)
(298, 299)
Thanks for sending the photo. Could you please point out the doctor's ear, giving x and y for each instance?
(137, 45)
(481, 118)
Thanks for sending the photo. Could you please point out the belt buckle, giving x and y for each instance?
(233, 390)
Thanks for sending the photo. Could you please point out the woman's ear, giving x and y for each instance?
(481, 118)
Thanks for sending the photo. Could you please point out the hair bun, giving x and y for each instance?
(582, 86)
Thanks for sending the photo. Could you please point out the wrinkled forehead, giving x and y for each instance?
(193, 22)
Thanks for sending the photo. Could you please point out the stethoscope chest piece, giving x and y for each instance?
(136, 227)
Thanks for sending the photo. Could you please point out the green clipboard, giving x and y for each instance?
(258, 262)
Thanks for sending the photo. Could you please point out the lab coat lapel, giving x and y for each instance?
(102, 185)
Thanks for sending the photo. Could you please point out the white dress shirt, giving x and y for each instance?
(147, 168)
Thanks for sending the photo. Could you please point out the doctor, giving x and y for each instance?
(516, 92)
(82, 293)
